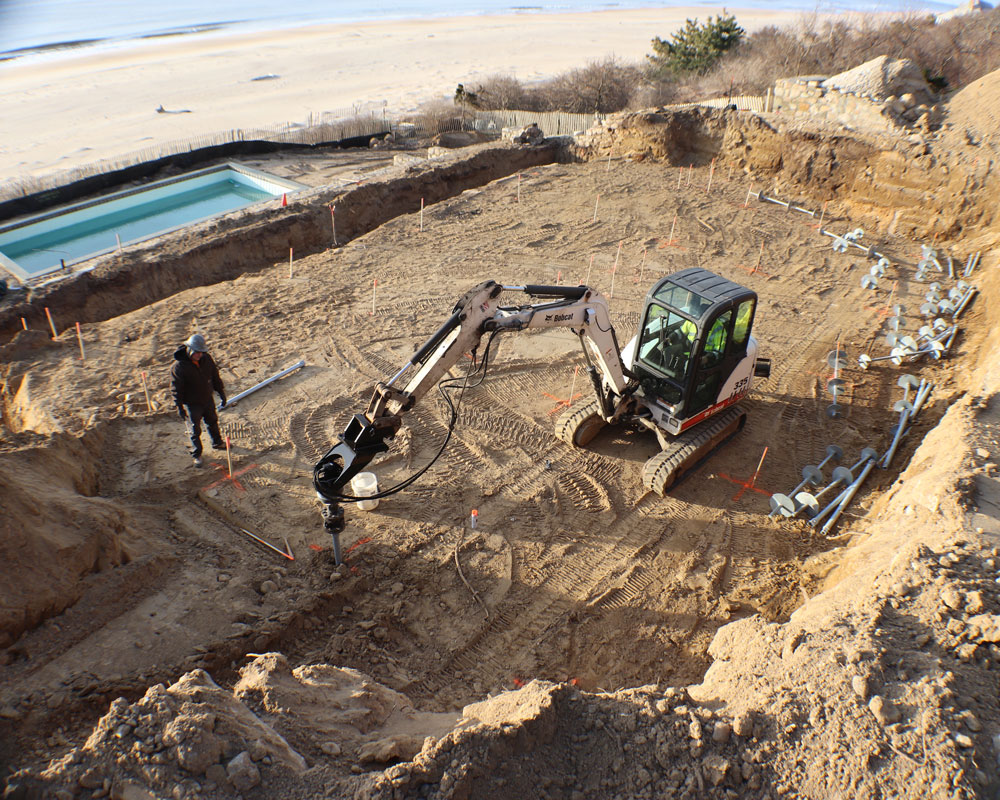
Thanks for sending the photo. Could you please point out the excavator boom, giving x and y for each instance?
(476, 314)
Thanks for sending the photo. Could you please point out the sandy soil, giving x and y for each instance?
(108, 99)
(770, 660)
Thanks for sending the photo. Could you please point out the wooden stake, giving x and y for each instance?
(229, 457)
(749, 192)
(822, 215)
(421, 215)
(642, 266)
(760, 255)
(24, 323)
(559, 278)
(711, 172)
(374, 286)
(753, 480)
(79, 338)
(145, 389)
(270, 546)
(614, 271)
(291, 255)
(333, 223)
(608, 169)
(690, 173)
(589, 270)
(598, 200)
(52, 325)
(673, 225)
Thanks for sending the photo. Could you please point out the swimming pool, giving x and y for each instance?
(57, 239)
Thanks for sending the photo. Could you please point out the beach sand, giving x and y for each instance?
(64, 112)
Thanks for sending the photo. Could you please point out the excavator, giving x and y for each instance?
(681, 376)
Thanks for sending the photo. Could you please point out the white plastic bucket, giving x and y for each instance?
(365, 484)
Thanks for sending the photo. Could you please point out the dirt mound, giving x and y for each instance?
(325, 711)
(57, 543)
(173, 737)
(973, 115)
(882, 78)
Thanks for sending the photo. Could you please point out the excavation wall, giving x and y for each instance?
(897, 186)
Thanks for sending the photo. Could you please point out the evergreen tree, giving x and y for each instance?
(695, 48)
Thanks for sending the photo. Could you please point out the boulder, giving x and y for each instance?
(881, 78)
(968, 7)
(242, 772)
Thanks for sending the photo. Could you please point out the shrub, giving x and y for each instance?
(600, 86)
(695, 48)
(502, 92)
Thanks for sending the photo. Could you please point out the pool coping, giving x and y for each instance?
(27, 278)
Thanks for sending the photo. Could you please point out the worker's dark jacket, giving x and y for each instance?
(192, 384)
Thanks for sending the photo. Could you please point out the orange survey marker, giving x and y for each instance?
(748, 485)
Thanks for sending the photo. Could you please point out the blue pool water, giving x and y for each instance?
(41, 245)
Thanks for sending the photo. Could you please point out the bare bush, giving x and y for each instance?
(501, 92)
(601, 86)
(951, 54)
(439, 116)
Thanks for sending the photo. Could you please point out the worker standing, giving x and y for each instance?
(194, 376)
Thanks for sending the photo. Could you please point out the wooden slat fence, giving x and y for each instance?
(757, 103)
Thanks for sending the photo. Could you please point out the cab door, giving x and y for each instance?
(724, 346)
(712, 366)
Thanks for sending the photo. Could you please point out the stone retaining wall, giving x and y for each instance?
(807, 96)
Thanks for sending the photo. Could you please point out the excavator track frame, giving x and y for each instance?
(664, 469)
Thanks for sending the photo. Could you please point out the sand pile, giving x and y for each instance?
(882, 78)
(974, 116)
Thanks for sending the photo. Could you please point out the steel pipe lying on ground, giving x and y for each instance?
(233, 401)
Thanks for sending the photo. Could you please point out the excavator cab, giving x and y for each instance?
(694, 353)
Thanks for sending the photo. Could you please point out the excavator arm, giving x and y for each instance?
(476, 314)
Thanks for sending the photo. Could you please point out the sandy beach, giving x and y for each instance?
(62, 112)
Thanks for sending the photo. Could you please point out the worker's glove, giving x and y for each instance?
(223, 398)
(181, 412)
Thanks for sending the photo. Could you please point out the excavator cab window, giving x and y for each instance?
(715, 343)
(744, 319)
(667, 341)
(684, 300)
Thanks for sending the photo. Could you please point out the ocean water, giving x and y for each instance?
(33, 26)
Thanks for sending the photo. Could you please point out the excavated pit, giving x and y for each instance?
(573, 574)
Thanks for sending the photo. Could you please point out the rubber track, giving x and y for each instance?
(569, 422)
(660, 472)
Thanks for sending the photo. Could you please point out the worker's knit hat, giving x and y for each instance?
(197, 343)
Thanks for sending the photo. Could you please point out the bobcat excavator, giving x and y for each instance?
(681, 376)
